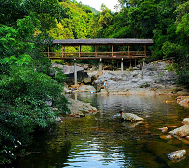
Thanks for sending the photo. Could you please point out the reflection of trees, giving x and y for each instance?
(107, 140)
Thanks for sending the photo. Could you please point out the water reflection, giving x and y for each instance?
(101, 140)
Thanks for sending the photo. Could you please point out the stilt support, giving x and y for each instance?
(122, 66)
(100, 67)
(75, 72)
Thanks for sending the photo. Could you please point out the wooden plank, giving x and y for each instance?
(96, 58)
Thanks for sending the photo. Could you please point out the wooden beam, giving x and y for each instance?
(96, 50)
(128, 50)
(112, 50)
(79, 50)
(145, 50)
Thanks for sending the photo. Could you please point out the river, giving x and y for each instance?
(102, 140)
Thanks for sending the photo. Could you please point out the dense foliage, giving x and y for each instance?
(29, 98)
(166, 21)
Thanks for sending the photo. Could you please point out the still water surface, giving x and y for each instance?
(102, 140)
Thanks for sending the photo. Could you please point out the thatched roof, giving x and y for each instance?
(109, 41)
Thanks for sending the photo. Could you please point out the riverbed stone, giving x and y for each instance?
(177, 155)
(87, 80)
(163, 129)
(186, 121)
(181, 98)
(78, 108)
(182, 131)
(184, 103)
(131, 117)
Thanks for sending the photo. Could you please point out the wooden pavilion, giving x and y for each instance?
(128, 54)
(99, 55)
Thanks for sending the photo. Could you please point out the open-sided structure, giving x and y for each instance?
(112, 54)
(98, 54)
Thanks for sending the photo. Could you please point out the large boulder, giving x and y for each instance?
(184, 103)
(78, 108)
(86, 88)
(87, 80)
(131, 117)
(186, 121)
(181, 98)
(177, 155)
(69, 72)
(182, 131)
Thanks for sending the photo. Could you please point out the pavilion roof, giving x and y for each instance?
(105, 41)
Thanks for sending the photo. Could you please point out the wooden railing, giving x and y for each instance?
(96, 55)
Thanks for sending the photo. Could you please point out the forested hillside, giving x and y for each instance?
(166, 21)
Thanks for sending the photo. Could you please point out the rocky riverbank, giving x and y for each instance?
(155, 78)
(79, 109)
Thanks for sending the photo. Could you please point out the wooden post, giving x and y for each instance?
(48, 52)
(145, 50)
(62, 51)
(79, 50)
(112, 50)
(95, 50)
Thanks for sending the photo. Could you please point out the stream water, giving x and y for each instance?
(102, 140)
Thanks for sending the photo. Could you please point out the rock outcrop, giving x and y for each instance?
(154, 77)
(79, 109)
(69, 72)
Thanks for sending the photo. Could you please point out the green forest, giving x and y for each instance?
(27, 27)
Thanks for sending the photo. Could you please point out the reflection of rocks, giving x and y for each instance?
(182, 131)
(164, 129)
(131, 117)
(166, 137)
(131, 124)
(177, 155)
